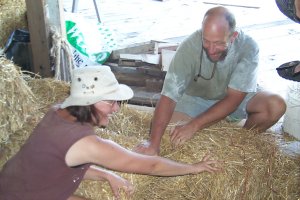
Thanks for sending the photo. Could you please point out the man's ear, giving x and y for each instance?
(234, 36)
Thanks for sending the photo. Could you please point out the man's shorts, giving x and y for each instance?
(287, 7)
(193, 106)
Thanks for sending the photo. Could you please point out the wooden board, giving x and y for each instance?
(146, 82)
(147, 58)
(146, 48)
(144, 98)
(235, 3)
(39, 37)
(40, 23)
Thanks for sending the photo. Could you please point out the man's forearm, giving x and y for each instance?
(218, 111)
(162, 115)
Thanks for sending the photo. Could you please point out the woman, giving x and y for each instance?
(63, 149)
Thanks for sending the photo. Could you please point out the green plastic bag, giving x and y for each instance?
(91, 43)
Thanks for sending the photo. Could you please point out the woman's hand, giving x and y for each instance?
(208, 165)
(117, 184)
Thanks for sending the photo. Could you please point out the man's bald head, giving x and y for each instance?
(218, 32)
(221, 17)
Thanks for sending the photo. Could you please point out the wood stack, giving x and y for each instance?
(143, 67)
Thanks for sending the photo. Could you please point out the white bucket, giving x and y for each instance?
(291, 121)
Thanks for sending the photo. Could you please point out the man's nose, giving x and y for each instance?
(211, 48)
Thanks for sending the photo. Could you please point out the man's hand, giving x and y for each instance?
(146, 148)
(180, 134)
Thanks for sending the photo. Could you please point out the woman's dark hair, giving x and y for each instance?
(85, 114)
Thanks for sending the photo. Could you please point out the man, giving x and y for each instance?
(213, 75)
(291, 9)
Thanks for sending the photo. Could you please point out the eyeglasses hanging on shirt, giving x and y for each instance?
(200, 68)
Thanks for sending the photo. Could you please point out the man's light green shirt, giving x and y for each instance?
(237, 71)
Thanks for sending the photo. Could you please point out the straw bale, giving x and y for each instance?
(48, 91)
(17, 139)
(254, 166)
(12, 17)
(16, 100)
(34, 96)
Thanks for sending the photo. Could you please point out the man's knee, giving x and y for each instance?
(277, 106)
(272, 105)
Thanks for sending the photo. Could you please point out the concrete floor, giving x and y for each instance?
(135, 21)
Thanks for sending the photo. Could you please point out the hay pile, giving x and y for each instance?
(16, 100)
(254, 166)
(12, 16)
(48, 91)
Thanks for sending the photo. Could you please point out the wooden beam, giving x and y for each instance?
(55, 15)
(43, 14)
(146, 48)
(234, 3)
(39, 37)
(147, 58)
(168, 46)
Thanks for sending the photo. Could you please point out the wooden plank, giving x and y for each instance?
(144, 98)
(130, 63)
(56, 18)
(43, 14)
(154, 85)
(146, 71)
(147, 58)
(235, 3)
(152, 71)
(39, 37)
(131, 80)
(167, 46)
(146, 48)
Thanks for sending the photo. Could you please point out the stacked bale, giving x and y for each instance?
(12, 17)
(253, 165)
(17, 102)
(48, 91)
(23, 102)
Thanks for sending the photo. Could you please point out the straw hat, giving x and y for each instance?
(92, 84)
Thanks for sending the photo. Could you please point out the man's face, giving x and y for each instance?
(216, 47)
(216, 38)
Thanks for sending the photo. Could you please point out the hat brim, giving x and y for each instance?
(122, 93)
